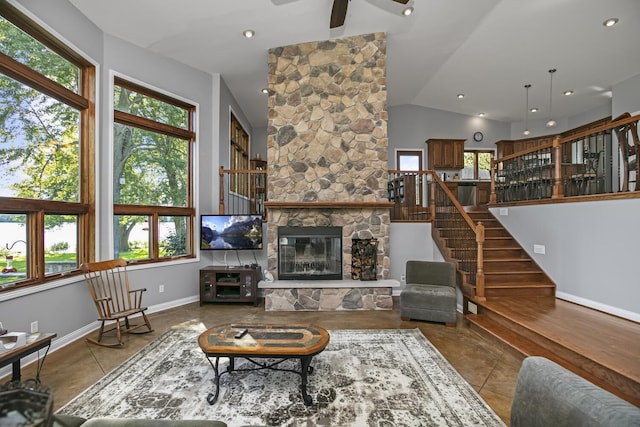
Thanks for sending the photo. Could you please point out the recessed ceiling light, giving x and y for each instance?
(568, 92)
(460, 95)
(407, 11)
(248, 33)
(610, 22)
(533, 109)
(481, 114)
(264, 90)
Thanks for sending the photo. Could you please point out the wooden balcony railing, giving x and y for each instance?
(600, 161)
(410, 191)
(243, 191)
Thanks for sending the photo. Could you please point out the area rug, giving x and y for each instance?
(380, 378)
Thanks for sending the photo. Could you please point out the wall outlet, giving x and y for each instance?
(504, 211)
(539, 249)
(34, 327)
(472, 307)
(161, 288)
(403, 278)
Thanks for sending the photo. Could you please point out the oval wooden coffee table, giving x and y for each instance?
(263, 341)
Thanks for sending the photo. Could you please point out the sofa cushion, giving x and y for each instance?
(549, 395)
(126, 422)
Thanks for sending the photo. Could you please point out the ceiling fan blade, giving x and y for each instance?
(338, 13)
(401, 1)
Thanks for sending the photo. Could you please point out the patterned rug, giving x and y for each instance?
(380, 378)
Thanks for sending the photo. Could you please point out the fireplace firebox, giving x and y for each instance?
(310, 253)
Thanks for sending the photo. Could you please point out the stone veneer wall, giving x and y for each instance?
(327, 140)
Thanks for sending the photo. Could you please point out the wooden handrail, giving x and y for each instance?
(455, 202)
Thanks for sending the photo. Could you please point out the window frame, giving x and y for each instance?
(410, 153)
(239, 149)
(84, 102)
(154, 213)
(476, 169)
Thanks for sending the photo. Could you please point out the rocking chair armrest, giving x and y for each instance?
(104, 306)
(137, 296)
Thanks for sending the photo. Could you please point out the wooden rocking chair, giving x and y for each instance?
(109, 287)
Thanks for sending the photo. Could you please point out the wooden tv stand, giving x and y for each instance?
(229, 284)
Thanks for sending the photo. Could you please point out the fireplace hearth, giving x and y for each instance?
(310, 253)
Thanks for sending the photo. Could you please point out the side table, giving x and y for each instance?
(14, 356)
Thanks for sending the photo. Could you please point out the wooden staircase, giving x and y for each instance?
(508, 270)
(521, 313)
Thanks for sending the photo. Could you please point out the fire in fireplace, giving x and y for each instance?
(310, 253)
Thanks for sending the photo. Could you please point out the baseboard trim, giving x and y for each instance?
(60, 342)
(625, 314)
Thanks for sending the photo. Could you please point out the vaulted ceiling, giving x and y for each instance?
(485, 49)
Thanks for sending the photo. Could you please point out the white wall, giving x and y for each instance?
(626, 97)
(591, 250)
(409, 126)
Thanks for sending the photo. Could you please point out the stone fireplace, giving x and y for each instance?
(327, 143)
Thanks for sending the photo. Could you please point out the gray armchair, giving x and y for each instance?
(430, 293)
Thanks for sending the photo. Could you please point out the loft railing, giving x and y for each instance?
(600, 161)
(410, 191)
(458, 237)
(243, 191)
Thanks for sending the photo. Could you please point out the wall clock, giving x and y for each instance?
(477, 137)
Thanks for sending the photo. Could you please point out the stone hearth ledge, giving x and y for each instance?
(328, 295)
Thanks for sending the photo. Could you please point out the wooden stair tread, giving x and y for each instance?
(523, 345)
(518, 285)
(503, 273)
(600, 347)
(503, 248)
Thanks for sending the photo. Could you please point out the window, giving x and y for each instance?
(152, 169)
(46, 150)
(239, 157)
(477, 165)
(409, 160)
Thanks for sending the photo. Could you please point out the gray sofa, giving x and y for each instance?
(549, 395)
(430, 293)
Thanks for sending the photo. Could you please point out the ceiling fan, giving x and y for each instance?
(339, 12)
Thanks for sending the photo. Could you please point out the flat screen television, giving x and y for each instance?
(230, 232)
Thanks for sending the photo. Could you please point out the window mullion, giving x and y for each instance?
(141, 123)
(25, 75)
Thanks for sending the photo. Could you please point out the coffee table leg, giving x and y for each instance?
(306, 369)
(213, 397)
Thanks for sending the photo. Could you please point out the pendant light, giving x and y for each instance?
(551, 123)
(526, 112)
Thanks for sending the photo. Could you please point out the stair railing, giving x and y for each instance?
(464, 238)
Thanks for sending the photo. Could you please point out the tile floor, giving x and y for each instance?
(490, 369)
